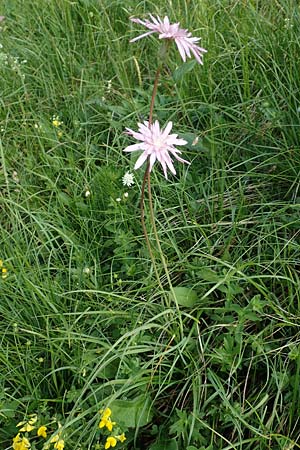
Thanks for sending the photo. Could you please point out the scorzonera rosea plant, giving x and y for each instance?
(155, 142)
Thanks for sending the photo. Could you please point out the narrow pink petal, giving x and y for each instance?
(186, 46)
(141, 36)
(179, 142)
(171, 167)
(193, 39)
(181, 159)
(166, 21)
(181, 49)
(133, 147)
(167, 130)
(136, 20)
(143, 127)
(135, 134)
(156, 21)
(156, 129)
(164, 169)
(197, 55)
(152, 161)
(142, 158)
(129, 131)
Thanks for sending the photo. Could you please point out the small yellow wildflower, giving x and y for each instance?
(56, 122)
(59, 445)
(121, 437)
(33, 419)
(110, 442)
(42, 431)
(54, 439)
(20, 443)
(106, 413)
(3, 270)
(16, 441)
(106, 420)
(28, 425)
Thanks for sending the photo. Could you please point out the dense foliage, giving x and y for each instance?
(84, 324)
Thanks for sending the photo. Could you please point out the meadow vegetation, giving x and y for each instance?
(85, 327)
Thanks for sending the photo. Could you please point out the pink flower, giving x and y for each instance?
(157, 144)
(183, 38)
(2, 18)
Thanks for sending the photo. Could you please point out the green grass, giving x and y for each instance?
(84, 324)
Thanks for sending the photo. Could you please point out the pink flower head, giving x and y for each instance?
(183, 38)
(2, 18)
(157, 144)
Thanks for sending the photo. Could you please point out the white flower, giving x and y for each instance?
(128, 179)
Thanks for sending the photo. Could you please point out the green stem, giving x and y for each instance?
(162, 256)
(154, 92)
(152, 217)
(147, 179)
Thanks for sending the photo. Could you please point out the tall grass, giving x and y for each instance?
(84, 324)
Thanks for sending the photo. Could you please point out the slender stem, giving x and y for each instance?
(147, 176)
(152, 217)
(162, 256)
(147, 179)
(154, 95)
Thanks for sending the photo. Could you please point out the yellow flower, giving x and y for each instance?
(110, 442)
(42, 431)
(20, 444)
(59, 445)
(33, 419)
(54, 439)
(56, 122)
(121, 437)
(106, 413)
(107, 423)
(3, 270)
(27, 425)
(106, 420)
(16, 441)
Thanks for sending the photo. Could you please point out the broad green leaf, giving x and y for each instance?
(184, 296)
(132, 413)
(9, 409)
(182, 70)
(169, 444)
(210, 275)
